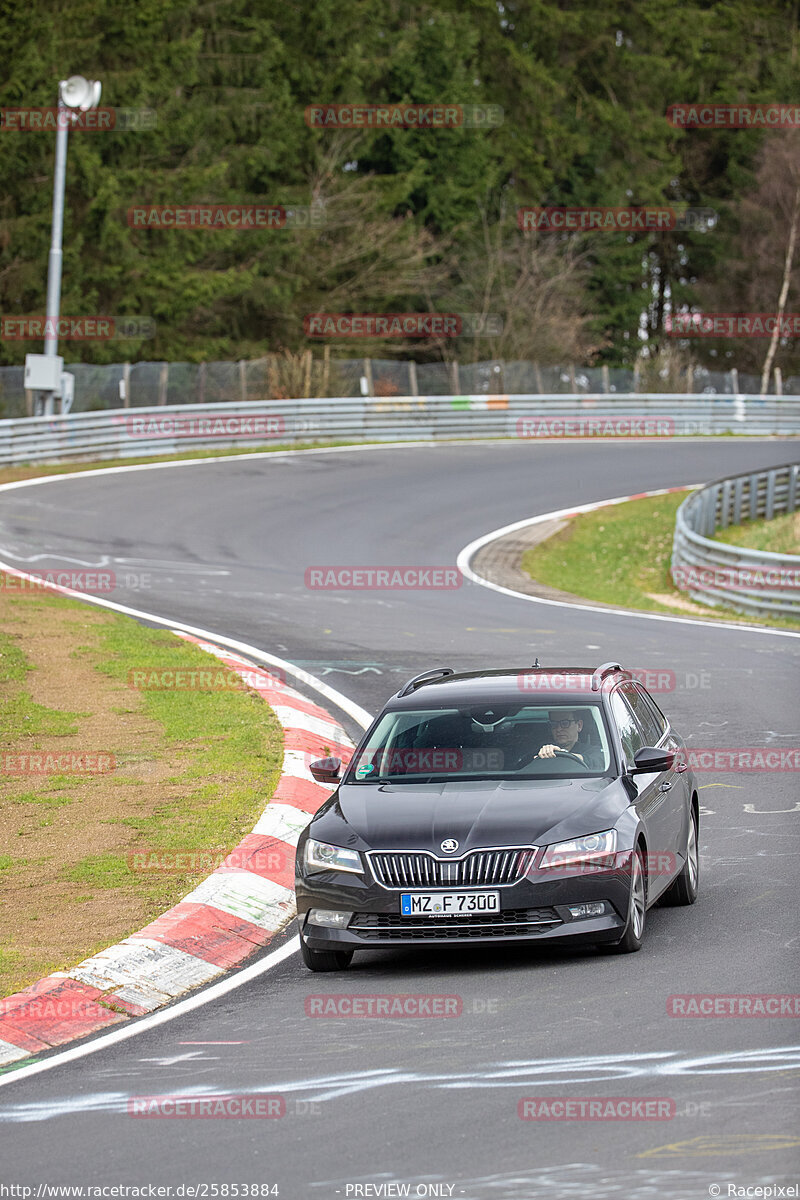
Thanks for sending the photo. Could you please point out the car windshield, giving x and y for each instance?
(501, 741)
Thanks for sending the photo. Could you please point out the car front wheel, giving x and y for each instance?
(632, 939)
(325, 960)
(684, 889)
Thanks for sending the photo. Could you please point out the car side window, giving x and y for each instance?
(661, 720)
(644, 714)
(630, 734)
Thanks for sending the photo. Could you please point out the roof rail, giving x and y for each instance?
(601, 672)
(425, 677)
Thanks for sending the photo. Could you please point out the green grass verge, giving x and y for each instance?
(781, 535)
(195, 775)
(621, 555)
(232, 743)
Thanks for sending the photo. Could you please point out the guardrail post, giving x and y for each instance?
(126, 379)
(163, 379)
(778, 382)
(413, 386)
(724, 507)
(455, 382)
(710, 523)
(738, 491)
(752, 507)
(201, 384)
(368, 376)
(242, 381)
(604, 377)
(769, 504)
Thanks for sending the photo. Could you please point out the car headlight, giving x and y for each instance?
(595, 850)
(321, 856)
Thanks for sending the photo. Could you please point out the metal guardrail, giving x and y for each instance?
(140, 432)
(750, 581)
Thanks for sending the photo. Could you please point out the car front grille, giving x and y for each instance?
(482, 868)
(514, 922)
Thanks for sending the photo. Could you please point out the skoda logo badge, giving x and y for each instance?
(449, 845)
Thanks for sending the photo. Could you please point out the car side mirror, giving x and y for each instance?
(651, 759)
(326, 770)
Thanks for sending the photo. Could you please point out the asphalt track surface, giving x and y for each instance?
(434, 1102)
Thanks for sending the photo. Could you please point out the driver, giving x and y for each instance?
(566, 726)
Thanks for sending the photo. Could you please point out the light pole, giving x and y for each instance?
(81, 94)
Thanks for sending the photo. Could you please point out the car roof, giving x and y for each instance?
(507, 684)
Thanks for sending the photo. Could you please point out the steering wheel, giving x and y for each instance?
(563, 753)
(575, 757)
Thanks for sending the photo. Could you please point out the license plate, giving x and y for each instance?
(448, 904)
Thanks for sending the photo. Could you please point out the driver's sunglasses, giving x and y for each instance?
(563, 721)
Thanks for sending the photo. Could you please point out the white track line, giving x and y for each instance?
(463, 562)
(364, 447)
(142, 1024)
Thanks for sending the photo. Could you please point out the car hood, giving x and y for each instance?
(481, 813)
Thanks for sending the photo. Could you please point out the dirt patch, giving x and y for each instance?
(60, 831)
(680, 603)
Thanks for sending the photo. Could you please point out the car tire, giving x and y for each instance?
(633, 937)
(684, 889)
(325, 960)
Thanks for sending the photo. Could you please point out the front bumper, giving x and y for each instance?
(534, 910)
